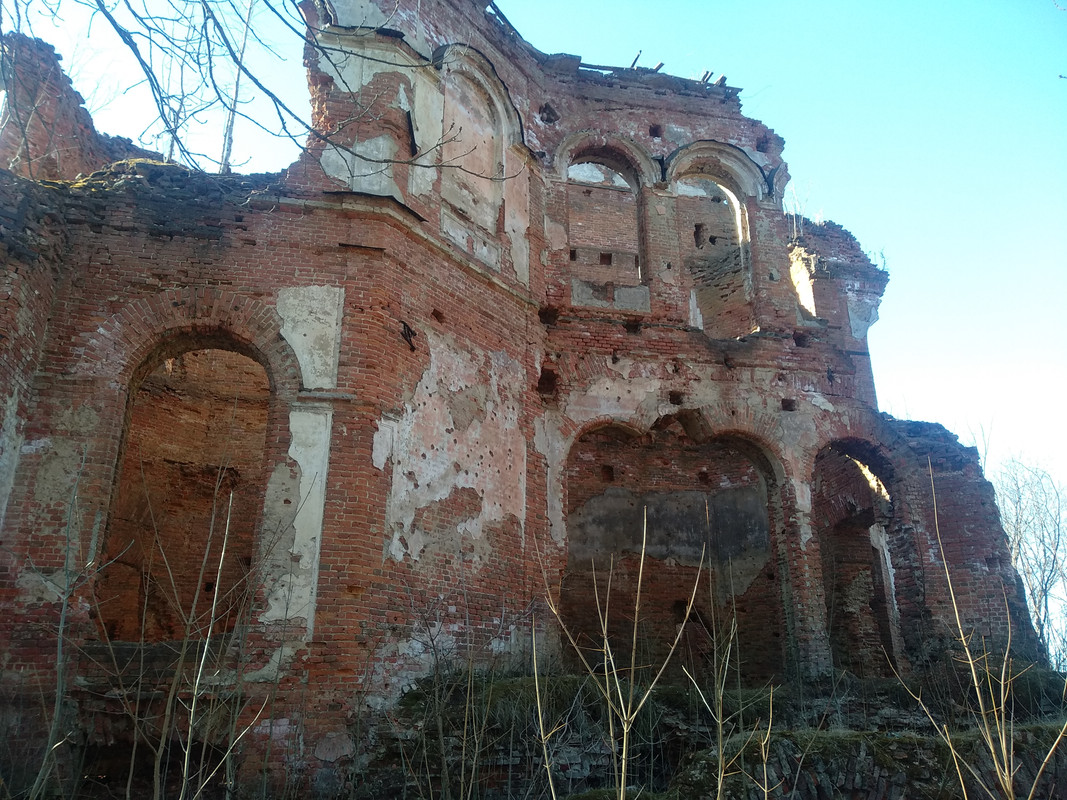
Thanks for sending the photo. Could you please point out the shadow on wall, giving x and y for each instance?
(716, 497)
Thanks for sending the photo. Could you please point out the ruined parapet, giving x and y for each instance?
(45, 131)
(957, 522)
(839, 290)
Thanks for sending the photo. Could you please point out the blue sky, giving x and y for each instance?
(935, 131)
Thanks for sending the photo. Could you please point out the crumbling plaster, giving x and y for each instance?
(460, 430)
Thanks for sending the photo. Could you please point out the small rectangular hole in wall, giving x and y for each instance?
(675, 398)
(700, 235)
(574, 255)
(704, 476)
(632, 326)
(607, 473)
(655, 131)
(789, 404)
(438, 315)
(800, 339)
(548, 315)
(605, 259)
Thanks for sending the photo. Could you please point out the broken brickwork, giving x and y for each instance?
(45, 131)
(435, 391)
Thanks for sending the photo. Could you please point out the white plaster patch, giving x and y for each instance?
(862, 311)
(696, 319)
(364, 167)
(427, 113)
(550, 443)
(382, 448)
(36, 445)
(609, 397)
(278, 729)
(294, 592)
(36, 587)
(517, 214)
(556, 233)
(819, 401)
(311, 324)
(459, 431)
(10, 447)
(354, 61)
(369, 14)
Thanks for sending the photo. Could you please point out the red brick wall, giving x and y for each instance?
(45, 132)
(602, 225)
(662, 473)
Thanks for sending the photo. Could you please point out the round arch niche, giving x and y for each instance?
(712, 495)
(195, 436)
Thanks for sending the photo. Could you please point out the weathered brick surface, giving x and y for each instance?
(433, 422)
(45, 132)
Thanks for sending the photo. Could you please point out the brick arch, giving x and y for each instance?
(152, 328)
(760, 428)
(728, 165)
(622, 155)
(472, 64)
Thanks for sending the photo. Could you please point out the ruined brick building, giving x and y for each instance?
(446, 361)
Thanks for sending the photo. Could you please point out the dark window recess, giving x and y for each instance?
(548, 315)
(438, 315)
(655, 131)
(800, 339)
(546, 383)
(607, 473)
(675, 398)
(789, 404)
(548, 114)
(574, 255)
(700, 235)
(605, 259)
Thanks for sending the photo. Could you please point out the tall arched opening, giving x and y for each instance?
(710, 227)
(180, 546)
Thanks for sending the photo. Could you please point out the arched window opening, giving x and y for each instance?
(710, 231)
(712, 496)
(603, 224)
(180, 546)
(850, 513)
